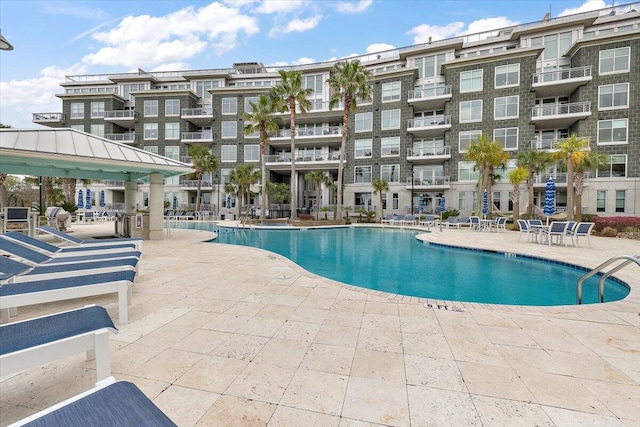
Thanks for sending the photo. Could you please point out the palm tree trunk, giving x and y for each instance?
(530, 210)
(579, 189)
(294, 180)
(516, 207)
(343, 145)
(569, 190)
(198, 194)
(318, 195)
(3, 190)
(263, 171)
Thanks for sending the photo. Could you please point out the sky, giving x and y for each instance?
(56, 38)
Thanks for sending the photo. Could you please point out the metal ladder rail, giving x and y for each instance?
(629, 259)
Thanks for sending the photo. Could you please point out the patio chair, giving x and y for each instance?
(16, 219)
(49, 249)
(557, 229)
(398, 220)
(526, 229)
(581, 229)
(388, 219)
(41, 340)
(501, 223)
(57, 218)
(409, 220)
(110, 403)
(91, 243)
(474, 222)
(89, 216)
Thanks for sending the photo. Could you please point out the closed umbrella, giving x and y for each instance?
(549, 199)
(485, 203)
(175, 202)
(80, 198)
(228, 201)
(442, 209)
(87, 204)
(420, 204)
(102, 202)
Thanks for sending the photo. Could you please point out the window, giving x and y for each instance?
(171, 107)
(507, 75)
(620, 198)
(171, 130)
(252, 153)
(395, 197)
(228, 153)
(555, 45)
(97, 110)
(390, 146)
(97, 130)
(508, 137)
(601, 201)
(362, 174)
(503, 174)
(429, 66)
(462, 201)
(151, 108)
(202, 88)
(363, 200)
(616, 167)
(229, 106)
(496, 200)
(613, 96)
(363, 148)
(314, 82)
(172, 152)
(614, 60)
(127, 88)
(229, 129)
(150, 131)
(613, 131)
(466, 171)
(506, 107)
(471, 81)
(390, 173)
(465, 139)
(78, 127)
(471, 111)
(247, 103)
(364, 122)
(151, 149)
(390, 119)
(391, 91)
(77, 110)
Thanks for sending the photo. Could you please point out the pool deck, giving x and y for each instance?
(223, 335)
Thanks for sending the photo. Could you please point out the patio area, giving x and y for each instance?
(224, 335)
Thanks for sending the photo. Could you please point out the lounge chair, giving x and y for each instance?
(41, 340)
(557, 229)
(398, 220)
(409, 220)
(526, 229)
(581, 229)
(110, 403)
(14, 295)
(91, 243)
(428, 221)
(51, 250)
(451, 221)
(388, 219)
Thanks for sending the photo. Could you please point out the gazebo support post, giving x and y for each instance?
(156, 206)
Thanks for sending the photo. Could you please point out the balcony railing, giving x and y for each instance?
(557, 177)
(547, 110)
(193, 183)
(429, 151)
(120, 114)
(122, 137)
(48, 117)
(113, 184)
(430, 121)
(186, 159)
(303, 158)
(304, 132)
(561, 75)
(433, 92)
(195, 112)
(429, 182)
(197, 136)
(318, 106)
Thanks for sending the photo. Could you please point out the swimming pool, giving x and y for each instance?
(395, 261)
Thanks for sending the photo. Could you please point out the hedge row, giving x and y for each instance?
(620, 223)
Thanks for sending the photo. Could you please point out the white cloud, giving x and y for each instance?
(21, 98)
(353, 8)
(147, 41)
(304, 60)
(171, 66)
(422, 33)
(297, 25)
(72, 8)
(278, 6)
(379, 47)
(279, 64)
(488, 24)
(587, 6)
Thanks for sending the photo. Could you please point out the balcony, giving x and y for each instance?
(53, 120)
(318, 112)
(186, 159)
(430, 183)
(547, 144)
(196, 137)
(124, 118)
(429, 99)
(429, 126)
(198, 116)
(192, 184)
(113, 184)
(326, 161)
(125, 138)
(560, 179)
(551, 116)
(326, 134)
(560, 82)
(428, 154)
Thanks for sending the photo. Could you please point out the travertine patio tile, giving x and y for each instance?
(191, 319)
(344, 318)
(337, 335)
(329, 358)
(169, 365)
(318, 303)
(434, 373)
(420, 325)
(509, 336)
(353, 305)
(130, 359)
(531, 360)
(262, 327)
(265, 382)
(186, 405)
(165, 335)
(212, 373)
(569, 418)
(316, 391)
(290, 300)
(437, 407)
(348, 422)
(381, 321)
(282, 352)
(276, 311)
(226, 322)
(244, 347)
(434, 345)
(244, 308)
(231, 411)
(380, 365)
(629, 366)
(308, 314)
(494, 381)
(590, 366)
(621, 399)
(372, 307)
(377, 401)
(293, 417)
(299, 331)
(505, 412)
(380, 339)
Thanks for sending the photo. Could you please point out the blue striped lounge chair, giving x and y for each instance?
(91, 243)
(49, 249)
(409, 220)
(398, 220)
(388, 219)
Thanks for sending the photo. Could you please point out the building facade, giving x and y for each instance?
(526, 86)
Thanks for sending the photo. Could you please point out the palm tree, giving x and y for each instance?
(516, 176)
(286, 95)
(571, 151)
(379, 186)
(232, 188)
(278, 191)
(488, 155)
(317, 178)
(534, 162)
(243, 177)
(203, 162)
(349, 82)
(262, 120)
(591, 160)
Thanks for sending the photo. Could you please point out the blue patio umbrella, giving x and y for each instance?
(420, 204)
(549, 199)
(102, 202)
(80, 198)
(485, 203)
(228, 201)
(442, 204)
(87, 204)
(175, 202)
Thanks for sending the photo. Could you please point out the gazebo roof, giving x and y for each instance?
(69, 153)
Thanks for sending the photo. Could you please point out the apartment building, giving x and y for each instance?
(525, 86)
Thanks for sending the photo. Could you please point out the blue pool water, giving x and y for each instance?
(395, 261)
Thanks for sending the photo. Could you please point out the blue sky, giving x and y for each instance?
(54, 38)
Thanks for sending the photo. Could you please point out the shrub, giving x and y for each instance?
(618, 223)
(609, 232)
(450, 212)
